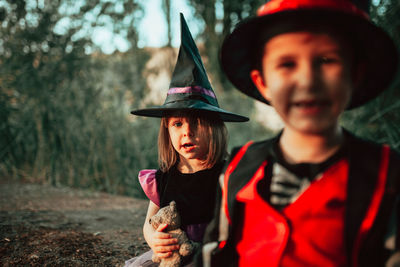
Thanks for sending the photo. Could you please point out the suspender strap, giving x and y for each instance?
(380, 229)
(373, 185)
(373, 208)
(393, 191)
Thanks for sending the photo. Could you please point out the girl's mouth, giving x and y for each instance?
(188, 145)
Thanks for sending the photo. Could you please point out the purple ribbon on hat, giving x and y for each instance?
(191, 89)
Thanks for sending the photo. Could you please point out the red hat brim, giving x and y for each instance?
(374, 47)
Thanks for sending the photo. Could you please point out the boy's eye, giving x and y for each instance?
(287, 64)
(327, 60)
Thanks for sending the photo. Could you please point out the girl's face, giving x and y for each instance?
(186, 139)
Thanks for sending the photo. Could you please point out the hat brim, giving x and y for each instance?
(160, 111)
(377, 50)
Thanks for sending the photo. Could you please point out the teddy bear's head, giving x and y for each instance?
(168, 215)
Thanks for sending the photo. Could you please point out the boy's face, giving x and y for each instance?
(307, 78)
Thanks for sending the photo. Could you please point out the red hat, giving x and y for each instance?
(373, 46)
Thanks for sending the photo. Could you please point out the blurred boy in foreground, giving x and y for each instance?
(315, 195)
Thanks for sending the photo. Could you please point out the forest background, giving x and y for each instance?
(64, 105)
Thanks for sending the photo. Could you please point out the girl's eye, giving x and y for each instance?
(177, 123)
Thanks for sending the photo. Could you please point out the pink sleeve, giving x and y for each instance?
(147, 179)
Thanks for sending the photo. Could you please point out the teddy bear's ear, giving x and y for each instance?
(172, 205)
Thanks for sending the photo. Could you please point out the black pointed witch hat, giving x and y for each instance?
(189, 87)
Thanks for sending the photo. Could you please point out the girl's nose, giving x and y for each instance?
(188, 130)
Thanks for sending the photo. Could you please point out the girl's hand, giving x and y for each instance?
(163, 243)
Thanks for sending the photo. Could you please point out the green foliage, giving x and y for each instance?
(217, 28)
(60, 122)
(379, 120)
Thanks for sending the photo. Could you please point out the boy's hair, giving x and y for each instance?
(342, 35)
(209, 126)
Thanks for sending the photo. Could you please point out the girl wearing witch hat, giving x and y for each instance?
(192, 146)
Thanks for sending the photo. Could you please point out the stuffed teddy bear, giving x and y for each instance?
(169, 215)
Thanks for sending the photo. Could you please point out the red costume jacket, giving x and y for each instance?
(341, 219)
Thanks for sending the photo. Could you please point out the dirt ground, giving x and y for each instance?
(41, 225)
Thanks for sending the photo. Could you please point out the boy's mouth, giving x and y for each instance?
(310, 104)
(312, 107)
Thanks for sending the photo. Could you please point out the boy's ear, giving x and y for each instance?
(259, 82)
(358, 74)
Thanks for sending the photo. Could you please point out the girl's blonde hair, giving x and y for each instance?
(209, 126)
